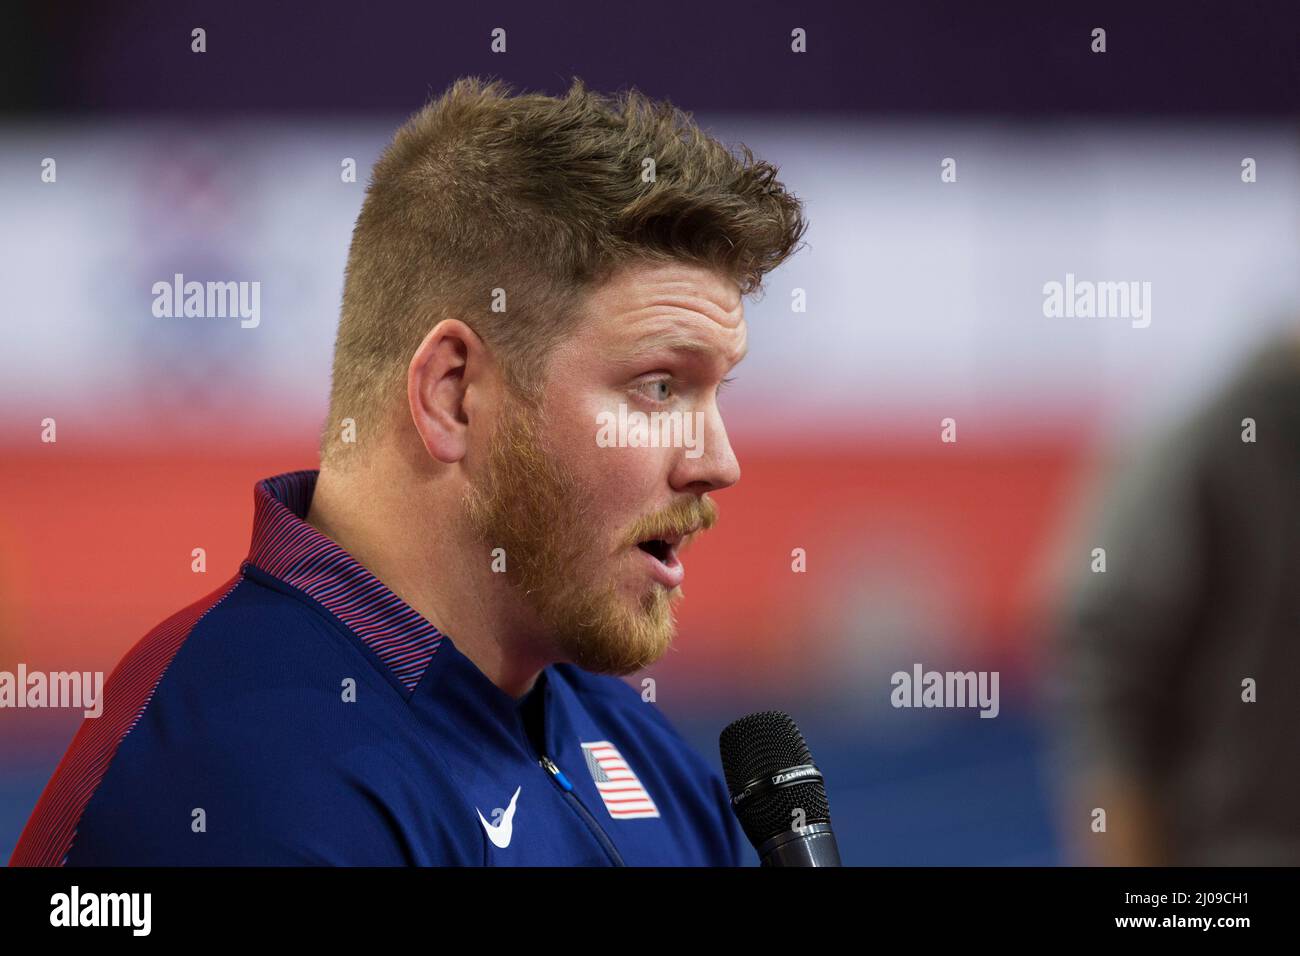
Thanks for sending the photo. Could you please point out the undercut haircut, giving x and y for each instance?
(485, 196)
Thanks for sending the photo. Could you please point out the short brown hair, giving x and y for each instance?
(541, 197)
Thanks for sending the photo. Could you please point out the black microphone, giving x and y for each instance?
(777, 792)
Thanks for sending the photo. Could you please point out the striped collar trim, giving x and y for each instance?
(288, 548)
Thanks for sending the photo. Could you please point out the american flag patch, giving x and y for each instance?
(624, 797)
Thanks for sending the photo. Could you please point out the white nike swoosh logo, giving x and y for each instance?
(501, 832)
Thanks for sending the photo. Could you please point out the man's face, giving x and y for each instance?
(593, 495)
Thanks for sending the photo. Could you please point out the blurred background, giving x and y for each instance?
(924, 301)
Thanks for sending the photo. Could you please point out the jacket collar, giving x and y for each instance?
(286, 547)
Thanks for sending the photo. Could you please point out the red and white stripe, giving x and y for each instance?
(620, 789)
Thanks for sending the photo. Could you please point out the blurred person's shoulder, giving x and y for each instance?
(1267, 382)
(1169, 491)
(1247, 433)
(1216, 479)
(1234, 431)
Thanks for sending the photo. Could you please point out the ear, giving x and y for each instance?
(450, 362)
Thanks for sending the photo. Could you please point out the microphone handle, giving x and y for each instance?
(812, 846)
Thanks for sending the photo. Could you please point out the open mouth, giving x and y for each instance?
(657, 548)
(662, 560)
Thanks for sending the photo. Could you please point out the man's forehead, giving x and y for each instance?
(676, 308)
(689, 336)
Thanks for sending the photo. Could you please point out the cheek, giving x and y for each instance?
(624, 483)
(626, 477)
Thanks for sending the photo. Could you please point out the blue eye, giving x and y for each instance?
(655, 386)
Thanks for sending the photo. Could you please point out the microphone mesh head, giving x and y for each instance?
(761, 745)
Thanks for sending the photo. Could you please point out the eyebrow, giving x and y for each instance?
(677, 343)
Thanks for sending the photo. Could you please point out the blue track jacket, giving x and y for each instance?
(304, 714)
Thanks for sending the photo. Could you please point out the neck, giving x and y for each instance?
(406, 530)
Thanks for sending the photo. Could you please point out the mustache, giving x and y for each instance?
(675, 521)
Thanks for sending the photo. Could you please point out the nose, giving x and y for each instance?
(710, 464)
